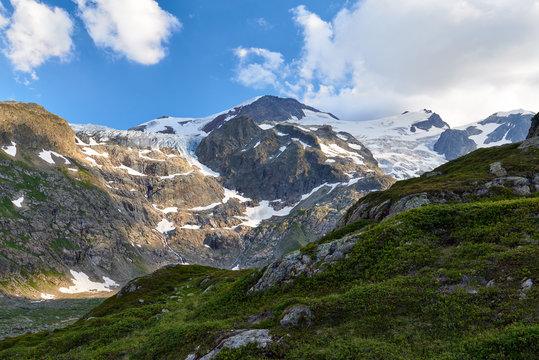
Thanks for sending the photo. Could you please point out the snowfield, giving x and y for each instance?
(82, 283)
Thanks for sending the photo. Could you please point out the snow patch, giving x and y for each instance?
(46, 155)
(82, 283)
(165, 226)
(204, 208)
(302, 143)
(255, 215)
(168, 210)
(129, 170)
(47, 296)
(11, 150)
(91, 152)
(191, 227)
(18, 202)
(266, 126)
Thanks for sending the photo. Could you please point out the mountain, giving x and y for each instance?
(405, 146)
(83, 213)
(263, 108)
(448, 279)
(498, 129)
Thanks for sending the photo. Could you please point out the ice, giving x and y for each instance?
(11, 150)
(18, 202)
(46, 155)
(82, 283)
(334, 150)
(165, 226)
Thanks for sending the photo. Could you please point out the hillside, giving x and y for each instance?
(449, 280)
(84, 213)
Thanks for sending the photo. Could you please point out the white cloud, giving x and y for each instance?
(259, 68)
(464, 59)
(136, 29)
(263, 23)
(4, 21)
(35, 34)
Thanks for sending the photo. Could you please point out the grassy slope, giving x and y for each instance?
(463, 174)
(414, 288)
(440, 282)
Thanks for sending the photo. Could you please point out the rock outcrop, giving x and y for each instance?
(32, 126)
(534, 128)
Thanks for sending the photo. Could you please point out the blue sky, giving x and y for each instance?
(124, 62)
(194, 79)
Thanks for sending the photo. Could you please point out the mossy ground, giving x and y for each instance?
(439, 282)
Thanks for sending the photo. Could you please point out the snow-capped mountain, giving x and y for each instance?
(404, 145)
(498, 129)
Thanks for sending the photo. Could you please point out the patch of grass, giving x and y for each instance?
(61, 243)
(7, 209)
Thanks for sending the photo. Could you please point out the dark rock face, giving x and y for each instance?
(267, 108)
(516, 126)
(534, 128)
(265, 165)
(454, 143)
(433, 121)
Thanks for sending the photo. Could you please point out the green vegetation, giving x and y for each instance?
(464, 174)
(445, 281)
(58, 244)
(7, 209)
(439, 282)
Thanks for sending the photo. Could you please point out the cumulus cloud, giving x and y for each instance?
(35, 34)
(259, 68)
(136, 29)
(465, 59)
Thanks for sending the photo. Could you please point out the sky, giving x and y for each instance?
(124, 62)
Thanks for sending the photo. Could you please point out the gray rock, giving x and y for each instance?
(527, 285)
(295, 264)
(243, 337)
(409, 202)
(296, 316)
(496, 169)
(454, 143)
